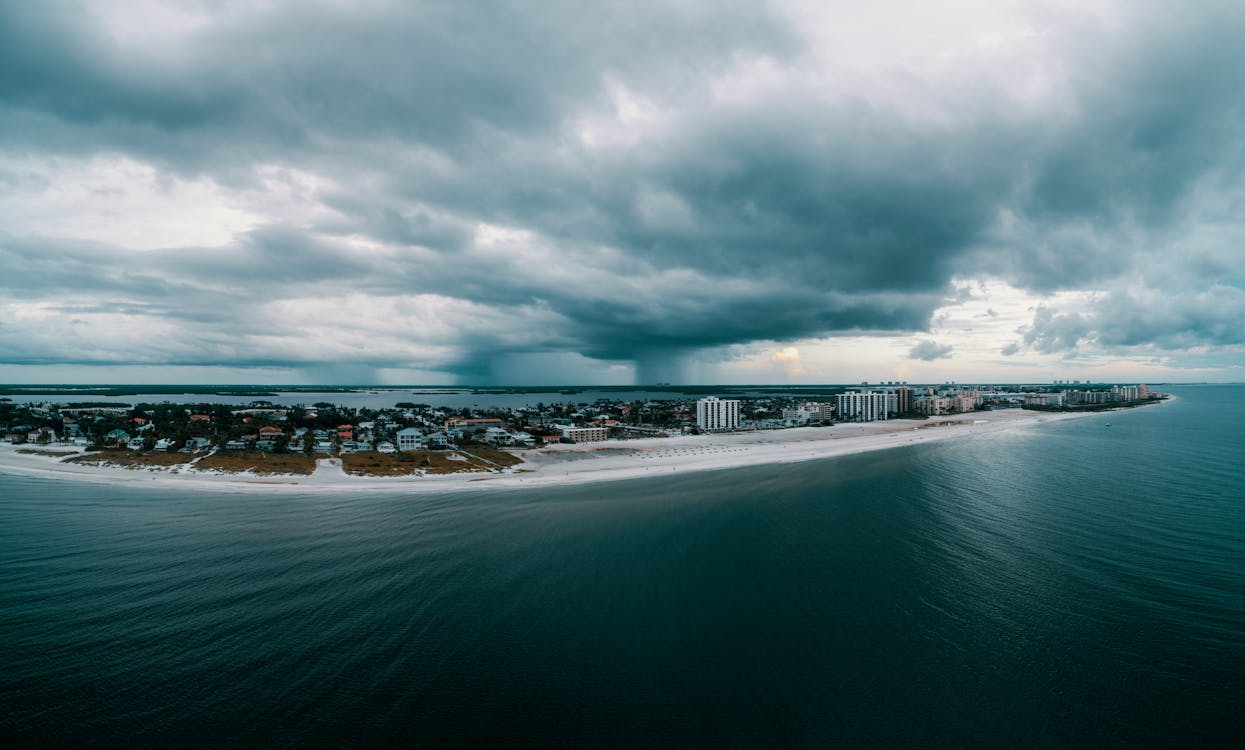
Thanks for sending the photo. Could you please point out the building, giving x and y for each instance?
(805, 414)
(410, 439)
(1087, 397)
(461, 426)
(41, 435)
(193, 444)
(1058, 399)
(498, 436)
(861, 406)
(904, 400)
(1130, 392)
(117, 437)
(716, 415)
(583, 434)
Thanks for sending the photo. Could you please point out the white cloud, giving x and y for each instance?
(118, 201)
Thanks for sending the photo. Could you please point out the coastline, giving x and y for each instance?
(580, 463)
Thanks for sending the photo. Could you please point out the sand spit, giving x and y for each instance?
(573, 464)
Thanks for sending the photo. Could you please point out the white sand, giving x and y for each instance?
(573, 464)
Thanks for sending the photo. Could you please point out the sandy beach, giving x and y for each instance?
(574, 464)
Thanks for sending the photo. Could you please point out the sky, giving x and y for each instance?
(612, 193)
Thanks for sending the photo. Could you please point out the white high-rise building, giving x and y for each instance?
(855, 406)
(714, 414)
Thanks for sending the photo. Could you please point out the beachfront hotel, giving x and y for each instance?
(715, 415)
(855, 406)
(573, 434)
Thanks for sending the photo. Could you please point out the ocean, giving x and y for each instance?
(1059, 585)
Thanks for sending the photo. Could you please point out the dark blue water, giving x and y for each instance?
(1066, 585)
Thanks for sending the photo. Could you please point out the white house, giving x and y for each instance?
(410, 439)
(498, 436)
(196, 444)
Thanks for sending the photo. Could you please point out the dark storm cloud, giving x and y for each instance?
(702, 221)
(55, 61)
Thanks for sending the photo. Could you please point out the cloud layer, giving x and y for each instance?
(461, 187)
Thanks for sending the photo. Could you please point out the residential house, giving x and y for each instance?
(498, 436)
(460, 426)
(410, 439)
(41, 435)
(196, 444)
(117, 437)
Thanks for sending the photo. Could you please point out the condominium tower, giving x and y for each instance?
(855, 406)
(714, 414)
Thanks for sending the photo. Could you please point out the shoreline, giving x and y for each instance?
(579, 463)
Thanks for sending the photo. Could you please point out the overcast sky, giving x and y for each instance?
(544, 192)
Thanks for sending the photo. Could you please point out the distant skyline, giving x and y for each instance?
(583, 193)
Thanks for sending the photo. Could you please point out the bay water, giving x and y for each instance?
(1067, 584)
